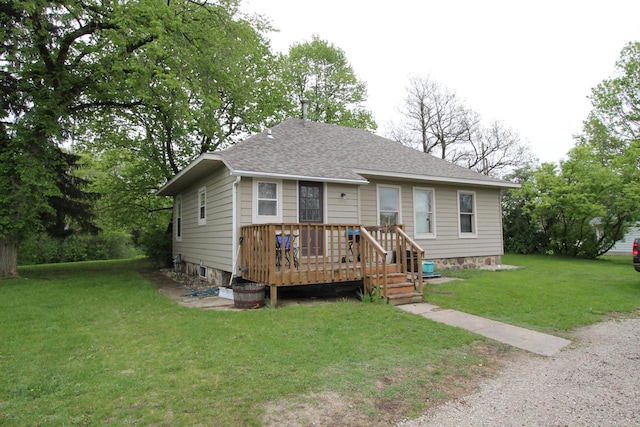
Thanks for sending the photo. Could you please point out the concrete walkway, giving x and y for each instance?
(535, 342)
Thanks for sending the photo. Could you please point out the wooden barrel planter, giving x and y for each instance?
(248, 295)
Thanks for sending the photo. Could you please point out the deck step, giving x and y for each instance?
(405, 298)
(400, 288)
(391, 268)
(391, 277)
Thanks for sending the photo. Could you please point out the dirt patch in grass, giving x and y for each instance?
(165, 284)
(335, 409)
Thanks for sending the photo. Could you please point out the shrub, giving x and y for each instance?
(44, 249)
(156, 243)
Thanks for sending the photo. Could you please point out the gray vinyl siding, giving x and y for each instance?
(245, 194)
(360, 207)
(448, 243)
(625, 246)
(369, 204)
(339, 210)
(210, 243)
(290, 201)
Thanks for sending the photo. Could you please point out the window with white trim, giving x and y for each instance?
(178, 218)
(389, 205)
(267, 201)
(202, 206)
(467, 213)
(202, 272)
(424, 212)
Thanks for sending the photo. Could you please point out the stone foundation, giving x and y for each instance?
(214, 276)
(462, 263)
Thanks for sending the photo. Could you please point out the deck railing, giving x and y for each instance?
(290, 254)
(403, 250)
(411, 255)
(375, 261)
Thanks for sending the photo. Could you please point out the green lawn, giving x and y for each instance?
(93, 343)
(549, 294)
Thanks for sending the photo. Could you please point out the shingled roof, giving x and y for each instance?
(322, 151)
(305, 150)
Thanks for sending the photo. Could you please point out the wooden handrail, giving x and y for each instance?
(414, 248)
(372, 257)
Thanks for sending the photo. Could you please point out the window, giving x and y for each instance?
(179, 218)
(467, 214)
(202, 272)
(202, 206)
(267, 201)
(424, 212)
(389, 205)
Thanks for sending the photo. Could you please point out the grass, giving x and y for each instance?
(93, 343)
(548, 294)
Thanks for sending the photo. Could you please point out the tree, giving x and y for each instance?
(47, 55)
(589, 202)
(203, 85)
(610, 146)
(319, 73)
(495, 150)
(73, 70)
(524, 229)
(435, 117)
(436, 121)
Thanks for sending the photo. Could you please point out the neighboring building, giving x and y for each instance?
(301, 172)
(624, 246)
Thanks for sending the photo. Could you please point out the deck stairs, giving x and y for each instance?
(400, 290)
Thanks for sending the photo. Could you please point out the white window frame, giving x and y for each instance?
(202, 209)
(395, 187)
(202, 269)
(474, 216)
(432, 234)
(263, 219)
(178, 219)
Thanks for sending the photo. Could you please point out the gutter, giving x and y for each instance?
(252, 174)
(441, 179)
(234, 226)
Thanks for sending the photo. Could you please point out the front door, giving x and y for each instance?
(311, 211)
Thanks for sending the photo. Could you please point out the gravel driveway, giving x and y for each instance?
(596, 382)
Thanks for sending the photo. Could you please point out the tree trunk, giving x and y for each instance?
(8, 258)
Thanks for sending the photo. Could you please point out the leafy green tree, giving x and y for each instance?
(206, 82)
(48, 59)
(524, 230)
(320, 73)
(118, 72)
(589, 202)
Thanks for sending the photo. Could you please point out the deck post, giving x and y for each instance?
(274, 295)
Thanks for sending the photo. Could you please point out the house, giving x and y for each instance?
(306, 202)
(625, 246)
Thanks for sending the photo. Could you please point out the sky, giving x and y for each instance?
(530, 65)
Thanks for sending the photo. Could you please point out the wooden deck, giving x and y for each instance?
(293, 254)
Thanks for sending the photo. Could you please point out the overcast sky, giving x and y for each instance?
(530, 65)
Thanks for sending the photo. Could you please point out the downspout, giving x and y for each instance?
(234, 226)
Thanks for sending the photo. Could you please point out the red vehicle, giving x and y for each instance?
(636, 257)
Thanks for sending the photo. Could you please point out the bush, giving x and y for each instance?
(156, 243)
(43, 249)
